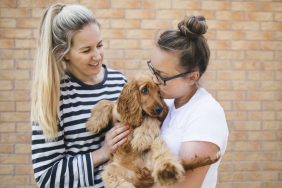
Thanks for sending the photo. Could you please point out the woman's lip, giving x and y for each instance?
(95, 64)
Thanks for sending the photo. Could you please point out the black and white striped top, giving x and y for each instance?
(67, 162)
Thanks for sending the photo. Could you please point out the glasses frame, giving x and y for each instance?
(163, 80)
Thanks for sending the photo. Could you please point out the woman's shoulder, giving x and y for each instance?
(114, 73)
(207, 101)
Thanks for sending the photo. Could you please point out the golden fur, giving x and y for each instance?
(145, 154)
(144, 159)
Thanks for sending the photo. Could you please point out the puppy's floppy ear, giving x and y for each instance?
(101, 115)
(128, 104)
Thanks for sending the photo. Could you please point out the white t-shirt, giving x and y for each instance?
(200, 119)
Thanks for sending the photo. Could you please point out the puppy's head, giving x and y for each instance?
(141, 97)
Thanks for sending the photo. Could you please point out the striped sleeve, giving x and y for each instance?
(53, 168)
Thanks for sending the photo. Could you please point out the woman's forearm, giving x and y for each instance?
(100, 156)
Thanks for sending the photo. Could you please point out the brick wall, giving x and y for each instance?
(245, 75)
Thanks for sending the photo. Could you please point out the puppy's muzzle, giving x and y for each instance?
(158, 110)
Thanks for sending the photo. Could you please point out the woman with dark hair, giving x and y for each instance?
(195, 126)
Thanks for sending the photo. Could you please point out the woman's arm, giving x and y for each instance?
(53, 168)
(188, 151)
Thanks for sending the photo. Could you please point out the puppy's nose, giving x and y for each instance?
(158, 110)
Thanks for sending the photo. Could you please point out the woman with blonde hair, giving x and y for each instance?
(69, 79)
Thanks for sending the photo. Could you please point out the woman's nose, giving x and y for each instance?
(96, 55)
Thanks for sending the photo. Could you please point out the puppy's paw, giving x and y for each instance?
(170, 173)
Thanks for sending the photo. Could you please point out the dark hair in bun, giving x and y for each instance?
(189, 41)
(193, 26)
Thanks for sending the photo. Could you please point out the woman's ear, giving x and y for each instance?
(194, 76)
(67, 56)
(128, 104)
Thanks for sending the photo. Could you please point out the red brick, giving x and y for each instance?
(156, 4)
(246, 25)
(139, 34)
(23, 43)
(109, 13)
(7, 23)
(6, 149)
(228, 54)
(23, 169)
(16, 33)
(8, 3)
(126, 24)
(6, 43)
(230, 35)
(126, 4)
(260, 75)
(28, 23)
(22, 149)
(14, 159)
(261, 115)
(136, 54)
(216, 5)
(6, 169)
(15, 12)
(22, 106)
(7, 127)
(23, 127)
(188, 5)
(22, 84)
(14, 75)
(278, 16)
(262, 136)
(227, 15)
(14, 116)
(155, 24)
(170, 14)
(7, 106)
(13, 180)
(273, 6)
(6, 85)
(247, 126)
(139, 14)
(260, 16)
(11, 138)
(121, 44)
(244, 6)
(96, 4)
(260, 55)
(269, 26)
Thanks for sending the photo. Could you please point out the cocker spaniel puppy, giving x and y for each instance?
(144, 154)
(144, 159)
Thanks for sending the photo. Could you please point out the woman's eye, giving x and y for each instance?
(86, 51)
(100, 46)
(145, 90)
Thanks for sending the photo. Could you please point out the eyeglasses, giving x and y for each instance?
(161, 79)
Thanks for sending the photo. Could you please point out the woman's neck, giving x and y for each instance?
(184, 99)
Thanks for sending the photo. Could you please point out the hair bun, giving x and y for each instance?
(193, 26)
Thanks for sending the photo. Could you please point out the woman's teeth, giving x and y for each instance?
(94, 64)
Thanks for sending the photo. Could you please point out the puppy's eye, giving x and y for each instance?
(145, 90)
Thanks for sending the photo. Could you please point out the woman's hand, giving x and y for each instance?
(113, 139)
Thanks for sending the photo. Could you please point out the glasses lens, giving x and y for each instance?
(158, 77)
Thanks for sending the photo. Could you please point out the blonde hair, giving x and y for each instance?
(58, 25)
